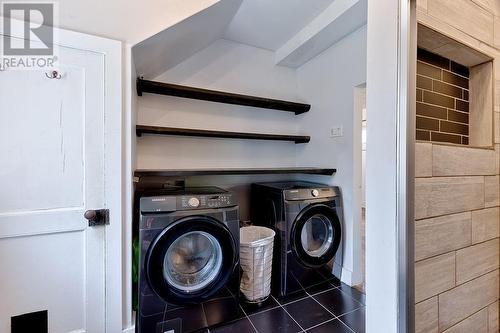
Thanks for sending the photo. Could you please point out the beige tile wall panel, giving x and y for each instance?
(477, 323)
(464, 300)
(497, 91)
(447, 195)
(443, 234)
(469, 51)
(485, 224)
(423, 159)
(434, 275)
(477, 260)
(489, 5)
(462, 161)
(497, 159)
(422, 5)
(491, 191)
(465, 16)
(496, 128)
(426, 316)
(481, 105)
(428, 38)
(493, 317)
(459, 53)
(496, 25)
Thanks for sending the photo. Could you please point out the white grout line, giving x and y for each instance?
(309, 295)
(248, 318)
(355, 300)
(324, 307)
(327, 321)
(294, 301)
(302, 328)
(266, 310)
(338, 317)
(349, 312)
(346, 325)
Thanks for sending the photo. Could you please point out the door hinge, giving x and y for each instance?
(97, 217)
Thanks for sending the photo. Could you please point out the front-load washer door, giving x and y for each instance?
(191, 260)
(315, 235)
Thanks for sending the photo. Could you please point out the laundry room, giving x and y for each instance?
(177, 166)
(244, 115)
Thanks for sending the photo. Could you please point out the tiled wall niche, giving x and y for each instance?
(442, 99)
(454, 92)
(457, 187)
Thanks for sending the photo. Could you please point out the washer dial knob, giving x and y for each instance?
(193, 202)
(315, 193)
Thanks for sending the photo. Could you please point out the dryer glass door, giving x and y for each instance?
(191, 260)
(316, 235)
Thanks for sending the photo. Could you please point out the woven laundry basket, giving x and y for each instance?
(256, 260)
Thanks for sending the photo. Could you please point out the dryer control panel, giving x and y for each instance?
(310, 193)
(188, 199)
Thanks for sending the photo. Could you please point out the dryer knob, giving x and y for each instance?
(315, 193)
(193, 202)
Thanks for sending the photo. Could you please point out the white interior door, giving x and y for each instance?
(52, 148)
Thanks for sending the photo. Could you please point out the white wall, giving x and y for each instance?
(328, 82)
(130, 21)
(229, 66)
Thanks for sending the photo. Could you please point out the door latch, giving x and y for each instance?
(97, 217)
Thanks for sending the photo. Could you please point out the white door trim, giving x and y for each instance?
(389, 166)
(113, 130)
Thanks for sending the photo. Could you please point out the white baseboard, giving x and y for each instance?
(346, 276)
(129, 330)
(350, 278)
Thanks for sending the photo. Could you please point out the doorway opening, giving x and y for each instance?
(360, 128)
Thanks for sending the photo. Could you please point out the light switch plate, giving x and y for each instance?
(336, 131)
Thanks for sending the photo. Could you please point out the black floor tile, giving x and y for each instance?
(292, 297)
(276, 320)
(328, 276)
(239, 326)
(335, 281)
(355, 320)
(222, 310)
(334, 326)
(251, 308)
(320, 287)
(308, 312)
(337, 302)
(354, 293)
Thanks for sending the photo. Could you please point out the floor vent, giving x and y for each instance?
(34, 322)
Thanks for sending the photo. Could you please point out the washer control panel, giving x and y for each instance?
(206, 201)
(188, 199)
(193, 202)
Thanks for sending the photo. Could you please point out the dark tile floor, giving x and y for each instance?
(330, 307)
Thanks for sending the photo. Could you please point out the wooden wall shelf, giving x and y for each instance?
(155, 87)
(234, 171)
(141, 129)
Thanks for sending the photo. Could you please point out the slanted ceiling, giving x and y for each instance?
(268, 24)
(296, 30)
